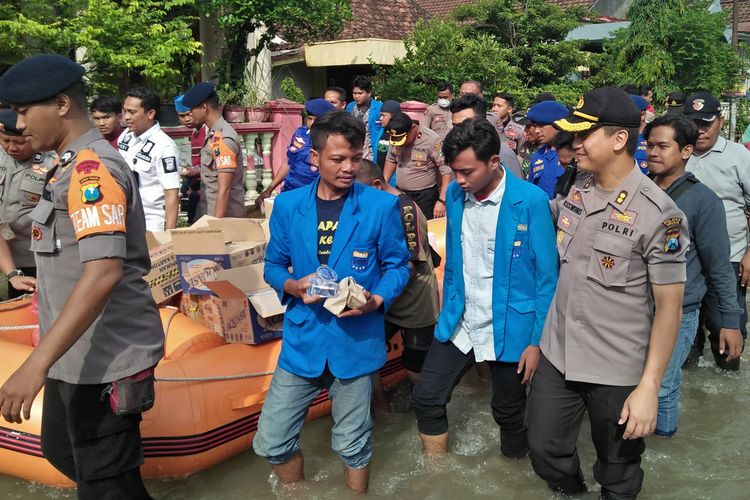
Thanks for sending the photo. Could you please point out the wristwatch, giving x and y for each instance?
(15, 273)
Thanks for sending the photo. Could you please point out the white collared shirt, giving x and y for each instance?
(154, 156)
(478, 229)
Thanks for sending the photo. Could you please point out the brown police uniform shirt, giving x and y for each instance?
(438, 120)
(511, 133)
(21, 186)
(613, 247)
(90, 210)
(222, 153)
(418, 305)
(419, 165)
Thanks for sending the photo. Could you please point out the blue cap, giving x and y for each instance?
(178, 106)
(640, 102)
(390, 107)
(8, 118)
(197, 94)
(39, 78)
(318, 107)
(547, 112)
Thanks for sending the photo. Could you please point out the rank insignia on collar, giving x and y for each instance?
(608, 262)
(622, 197)
(66, 157)
(588, 183)
(38, 157)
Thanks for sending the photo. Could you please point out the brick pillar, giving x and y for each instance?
(414, 109)
(289, 114)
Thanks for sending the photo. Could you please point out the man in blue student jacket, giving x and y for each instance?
(544, 167)
(500, 277)
(355, 230)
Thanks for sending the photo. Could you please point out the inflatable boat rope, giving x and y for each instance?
(158, 379)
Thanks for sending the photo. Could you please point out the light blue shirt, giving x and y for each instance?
(478, 229)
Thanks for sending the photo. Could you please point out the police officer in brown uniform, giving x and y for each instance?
(22, 173)
(222, 164)
(437, 117)
(613, 322)
(100, 329)
(422, 172)
(511, 133)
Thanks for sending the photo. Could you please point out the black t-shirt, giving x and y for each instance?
(328, 220)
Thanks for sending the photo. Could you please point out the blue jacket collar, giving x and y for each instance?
(348, 221)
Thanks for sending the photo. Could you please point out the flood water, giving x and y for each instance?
(708, 458)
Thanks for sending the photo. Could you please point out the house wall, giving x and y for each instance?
(312, 81)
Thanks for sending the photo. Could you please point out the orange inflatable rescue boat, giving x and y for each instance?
(209, 395)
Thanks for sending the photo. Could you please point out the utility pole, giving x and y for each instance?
(735, 18)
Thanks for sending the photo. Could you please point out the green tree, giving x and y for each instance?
(445, 50)
(292, 20)
(535, 32)
(679, 45)
(121, 42)
(514, 46)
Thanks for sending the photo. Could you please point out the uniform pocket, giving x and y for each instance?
(610, 260)
(43, 227)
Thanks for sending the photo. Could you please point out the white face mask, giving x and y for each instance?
(444, 103)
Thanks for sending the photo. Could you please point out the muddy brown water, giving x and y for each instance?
(708, 458)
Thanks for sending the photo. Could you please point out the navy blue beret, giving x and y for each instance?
(547, 112)
(39, 78)
(318, 107)
(640, 102)
(390, 107)
(8, 118)
(197, 94)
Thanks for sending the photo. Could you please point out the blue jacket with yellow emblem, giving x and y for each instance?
(370, 225)
(301, 171)
(545, 169)
(374, 127)
(524, 282)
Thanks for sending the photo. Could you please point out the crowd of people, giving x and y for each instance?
(587, 249)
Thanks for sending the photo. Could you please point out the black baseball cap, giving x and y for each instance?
(676, 99)
(602, 106)
(702, 106)
(398, 128)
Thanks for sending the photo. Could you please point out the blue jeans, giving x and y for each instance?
(669, 392)
(286, 405)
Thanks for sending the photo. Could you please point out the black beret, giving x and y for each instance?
(390, 107)
(8, 118)
(197, 94)
(602, 106)
(39, 78)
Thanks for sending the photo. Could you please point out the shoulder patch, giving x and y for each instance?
(96, 202)
(169, 164)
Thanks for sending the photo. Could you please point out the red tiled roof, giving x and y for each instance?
(743, 10)
(440, 8)
(391, 20)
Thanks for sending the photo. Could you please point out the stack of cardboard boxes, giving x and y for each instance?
(217, 264)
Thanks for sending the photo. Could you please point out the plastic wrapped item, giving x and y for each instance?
(324, 283)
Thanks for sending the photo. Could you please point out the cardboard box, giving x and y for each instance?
(164, 278)
(245, 309)
(211, 245)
